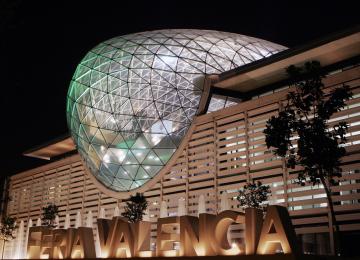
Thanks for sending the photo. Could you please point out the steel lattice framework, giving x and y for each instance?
(132, 98)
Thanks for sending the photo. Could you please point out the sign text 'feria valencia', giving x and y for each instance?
(205, 235)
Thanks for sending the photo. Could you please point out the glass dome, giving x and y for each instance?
(133, 97)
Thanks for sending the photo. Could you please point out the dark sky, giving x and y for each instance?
(42, 44)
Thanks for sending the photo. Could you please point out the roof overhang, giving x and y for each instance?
(54, 148)
(270, 70)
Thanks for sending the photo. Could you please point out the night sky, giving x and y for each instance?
(43, 43)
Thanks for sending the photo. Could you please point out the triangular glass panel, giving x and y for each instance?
(164, 154)
(101, 151)
(152, 159)
(121, 75)
(149, 112)
(131, 170)
(101, 116)
(178, 116)
(139, 183)
(119, 142)
(85, 99)
(160, 91)
(89, 119)
(130, 159)
(96, 76)
(140, 154)
(96, 96)
(90, 131)
(93, 157)
(137, 63)
(106, 169)
(178, 135)
(141, 143)
(149, 124)
(138, 104)
(123, 174)
(130, 138)
(111, 168)
(126, 108)
(118, 185)
(152, 170)
(101, 84)
(116, 102)
(82, 144)
(100, 64)
(110, 123)
(78, 90)
(134, 185)
(122, 120)
(142, 174)
(104, 104)
(116, 155)
(143, 94)
(75, 124)
(165, 142)
(89, 61)
(132, 126)
(117, 87)
(190, 112)
(193, 96)
(105, 178)
(154, 139)
(83, 133)
(81, 110)
(98, 138)
(165, 109)
(125, 183)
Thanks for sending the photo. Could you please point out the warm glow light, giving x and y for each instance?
(234, 250)
(145, 253)
(104, 253)
(170, 253)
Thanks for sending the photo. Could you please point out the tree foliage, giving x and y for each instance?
(301, 133)
(135, 208)
(253, 195)
(7, 228)
(49, 214)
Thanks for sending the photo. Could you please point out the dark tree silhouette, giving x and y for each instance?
(49, 214)
(253, 195)
(7, 228)
(135, 208)
(303, 136)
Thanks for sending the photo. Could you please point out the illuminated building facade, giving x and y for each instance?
(218, 153)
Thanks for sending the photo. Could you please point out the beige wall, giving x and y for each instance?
(225, 149)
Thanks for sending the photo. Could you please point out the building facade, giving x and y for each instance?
(221, 151)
